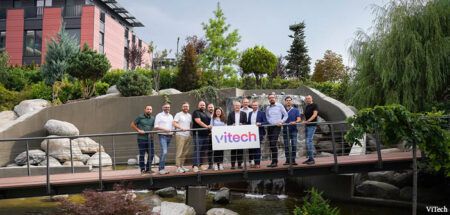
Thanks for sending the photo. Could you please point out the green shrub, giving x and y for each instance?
(41, 91)
(314, 204)
(101, 88)
(113, 76)
(146, 72)
(67, 90)
(33, 76)
(168, 78)
(13, 79)
(134, 84)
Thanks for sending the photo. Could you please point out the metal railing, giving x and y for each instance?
(329, 132)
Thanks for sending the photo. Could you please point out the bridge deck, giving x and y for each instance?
(344, 162)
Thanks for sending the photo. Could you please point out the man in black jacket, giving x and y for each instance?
(237, 117)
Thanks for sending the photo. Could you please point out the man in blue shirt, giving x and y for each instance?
(276, 115)
(290, 131)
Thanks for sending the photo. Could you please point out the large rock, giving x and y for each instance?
(325, 146)
(155, 159)
(154, 201)
(220, 211)
(61, 128)
(30, 106)
(60, 149)
(406, 193)
(94, 160)
(171, 208)
(85, 158)
(87, 145)
(75, 163)
(107, 96)
(168, 192)
(132, 162)
(7, 116)
(112, 89)
(378, 190)
(35, 157)
(169, 91)
(222, 196)
(324, 128)
(53, 162)
(399, 179)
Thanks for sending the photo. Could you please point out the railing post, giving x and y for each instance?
(333, 141)
(291, 171)
(343, 142)
(100, 176)
(197, 157)
(48, 168)
(377, 141)
(245, 163)
(414, 194)
(150, 143)
(28, 159)
(71, 156)
(114, 152)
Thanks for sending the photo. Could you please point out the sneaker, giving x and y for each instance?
(216, 167)
(232, 167)
(286, 163)
(252, 163)
(240, 167)
(203, 167)
(163, 172)
(294, 164)
(272, 165)
(143, 171)
(310, 162)
(306, 161)
(185, 169)
(180, 170)
(220, 167)
(210, 166)
(196, 169)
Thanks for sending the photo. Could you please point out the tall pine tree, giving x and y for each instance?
(298, 59)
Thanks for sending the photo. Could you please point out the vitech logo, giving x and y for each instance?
(228, 137)
(436, 209)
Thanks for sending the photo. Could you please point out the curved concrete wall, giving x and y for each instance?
(111, 115)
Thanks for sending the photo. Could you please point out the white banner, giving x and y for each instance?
(235, 137)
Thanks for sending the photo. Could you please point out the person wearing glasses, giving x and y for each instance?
(276, 115)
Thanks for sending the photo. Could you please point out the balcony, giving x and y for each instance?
(33, 12)
(72, 11)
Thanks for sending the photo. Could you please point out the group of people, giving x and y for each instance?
(195, 130)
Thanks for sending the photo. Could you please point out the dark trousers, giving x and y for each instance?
(200, 148)
(290, 141)
(210, 152)
(255, 154)
(218, 156)
(273, 132)
(145, 146)
(236, 155)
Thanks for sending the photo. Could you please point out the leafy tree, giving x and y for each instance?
(159, 61)
(134, 84)
(395, 124)
(330, 68)
(406, 58)
(258, 61)
(221, 53)
(189, 73)
(89, 67)
(135, 56)
(298, 59)
(59, 50)
(280, 69)
(315, 204)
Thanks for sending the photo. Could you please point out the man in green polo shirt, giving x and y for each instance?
(144, 123)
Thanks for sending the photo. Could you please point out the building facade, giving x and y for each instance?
(26, 26)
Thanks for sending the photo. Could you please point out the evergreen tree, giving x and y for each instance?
(189, 73)
(59, 50)
(221, 53)
(298, 59)
(406, 58)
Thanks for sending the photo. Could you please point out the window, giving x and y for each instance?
(140, 43)
(33, 43)
(2, 41)
(102, 42)
(75, 33)
(102, 17)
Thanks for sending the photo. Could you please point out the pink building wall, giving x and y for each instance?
(90, 27)
(14, 35)
(114, 42)
(51, 23)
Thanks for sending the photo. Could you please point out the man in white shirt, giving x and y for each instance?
(245, 106)
(163, 122)
(182, 121)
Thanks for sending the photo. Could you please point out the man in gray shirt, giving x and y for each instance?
(276, 115)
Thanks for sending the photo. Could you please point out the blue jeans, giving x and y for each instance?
(145, 146)
(292, 140)
(164, 141)
(309, 134)
(201, 148)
